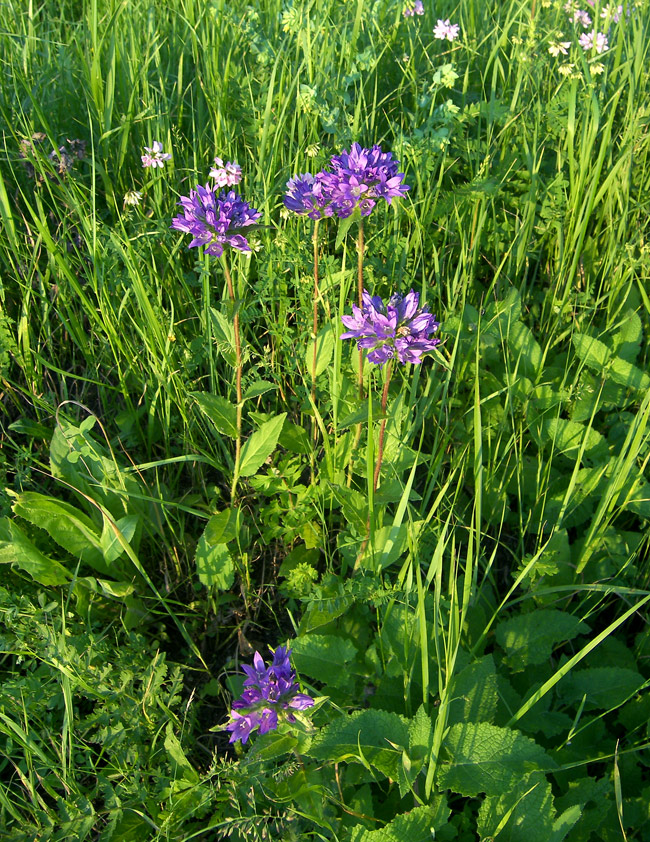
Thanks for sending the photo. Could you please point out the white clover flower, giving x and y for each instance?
(132, 197)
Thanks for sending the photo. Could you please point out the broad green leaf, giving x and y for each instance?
(419, 749)
(605, 688)
(295, 438)
(16, 548)
(479, 757)
(214, 564)
(112, 547)
(344, 227)
(591, 352)
(389, 544)
(354, 506)
(627, 374)
(323, 657)
(474, 696)
(65, 524)
(567, 436)
(324, 351)
(637, 499)
(260, 446)
(528, 356)
(524, 813)
(418, 825)
(627, 340)
(221, 412)
(530, 638)
(221, 528)
(259, 387)
(373, 737)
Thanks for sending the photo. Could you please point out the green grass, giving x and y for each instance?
(514, 480)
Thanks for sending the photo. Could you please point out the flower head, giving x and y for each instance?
(155, 156)
(445, 29)
(132, 197)
(397, 329)
(225, 175)
(305, 195)
(360, 177)
(557, 47)
(413, 7)
(270, 693)
(215, 220)
(590, 40)
(582, 18)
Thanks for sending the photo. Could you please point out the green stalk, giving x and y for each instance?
(238, 371)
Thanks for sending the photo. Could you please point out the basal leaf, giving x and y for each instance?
(112, 546)
(567, 436)
(323, 657)
(68, 526)
(260, 446)
(221, 412)
(627, 340)
(530, 638)
(373, 737)
(592, 352)
(628, 375)
(474, 694)
(418, 825)
(16, 548)
(479, 757)
(605, 688)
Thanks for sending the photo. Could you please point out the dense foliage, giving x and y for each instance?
(445, 520)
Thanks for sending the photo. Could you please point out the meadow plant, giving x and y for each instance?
(271, 696)
(154, 156)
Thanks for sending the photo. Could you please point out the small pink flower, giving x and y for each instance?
(155, 156)
(589, 40)
(225, 175)
(582, 18)
(444, 29)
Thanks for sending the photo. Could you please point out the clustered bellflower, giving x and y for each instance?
(271, 693)
(357, 179)
(398, 329)
(215, 220)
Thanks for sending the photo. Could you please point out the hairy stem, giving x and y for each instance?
(238, 373)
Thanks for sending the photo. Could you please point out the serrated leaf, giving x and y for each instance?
(224, 335)
(479, 757)
(523, 813)
(591, 352)
(323, 657)
(530, 638)
(221, 528)
(324, 350)
(366, 736)
(183, 767)
(221, 412)
(16, 548)
(605, 688)
(418, 825)
(259, 387)
(474, 695)
(628, 375)
(260, 446)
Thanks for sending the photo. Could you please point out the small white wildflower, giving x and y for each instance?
(133, 197)
(559, 47)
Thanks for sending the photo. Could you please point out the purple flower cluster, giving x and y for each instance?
(270, 691)
(398, 329)
(215, 220)
(357, 179)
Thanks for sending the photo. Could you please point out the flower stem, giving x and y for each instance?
(315, 320)
(360, 253)
(238, 373)
(380, 456)
(382, 428)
